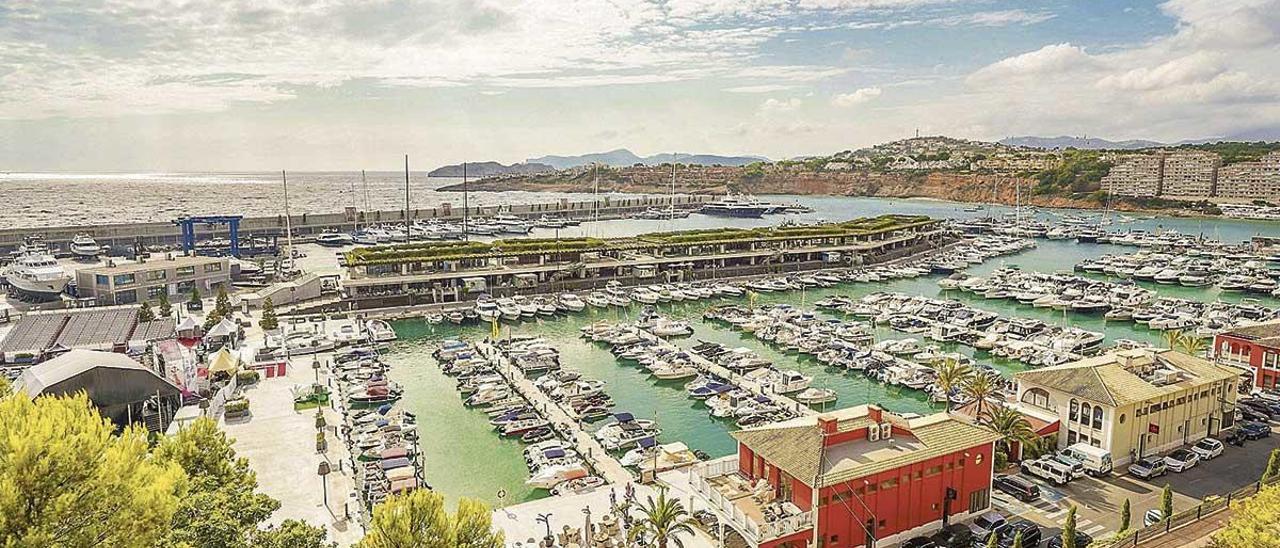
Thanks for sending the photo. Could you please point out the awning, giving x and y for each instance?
(224, 362)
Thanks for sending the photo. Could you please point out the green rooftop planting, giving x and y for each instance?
(441, 251)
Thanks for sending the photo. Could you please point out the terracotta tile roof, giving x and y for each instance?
(1111, 379)
(1265, 333)
(796, 446)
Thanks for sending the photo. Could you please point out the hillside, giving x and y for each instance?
(623, 157)
(489, 169)
(1084, 143)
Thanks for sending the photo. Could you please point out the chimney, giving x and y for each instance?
(875, 413)
(827, 424)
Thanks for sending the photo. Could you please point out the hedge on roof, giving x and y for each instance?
(442, 251)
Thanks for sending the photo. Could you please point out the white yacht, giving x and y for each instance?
(85, 247)
(333, 238)
(380, 331)
(571, 302)
(487, 309)
(37, 276)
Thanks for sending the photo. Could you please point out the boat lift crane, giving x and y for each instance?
(188, 225)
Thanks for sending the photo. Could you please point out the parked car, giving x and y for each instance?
(1271, 407)
(956, 534)
(1030, 534)
(1148, 468)
(1181, 460)
(1207, 448)
(1021, 488)
(1255, 430)
(1072, 463)
(1047, 469)
(986, 525)
(920, 542)
(1096, 460)
(1082, 540)
(1152, 517)
(1248, 414)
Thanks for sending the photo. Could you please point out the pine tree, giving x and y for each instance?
(1017, 540)
(166, 309)
(420, 519)
(222, 304)
(992, 540)
(1273, 466)
(145, 314)
(195, 296)
(1125, 516)
(269, 321)
(1166, 503)
(1069, 528)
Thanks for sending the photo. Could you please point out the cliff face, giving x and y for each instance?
(959, 187)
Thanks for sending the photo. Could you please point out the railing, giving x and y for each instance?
(1211, 506)
(753, 532)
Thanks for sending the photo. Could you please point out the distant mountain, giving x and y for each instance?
(1084, 143)
(623, 157)
(489, 169)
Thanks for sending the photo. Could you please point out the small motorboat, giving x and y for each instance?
(813, 396)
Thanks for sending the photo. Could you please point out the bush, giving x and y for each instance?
(236, 408)
(247, 377)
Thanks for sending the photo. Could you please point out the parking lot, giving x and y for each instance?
(1099, 500)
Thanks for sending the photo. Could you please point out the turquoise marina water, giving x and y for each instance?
(465, 458)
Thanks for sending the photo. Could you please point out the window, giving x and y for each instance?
(126, 297)
(185, 288)
(1037, 397)
(1122, 418)
(186, 270)
(213, 267)
(1084, 413)
(978, 459)
(889, 484)
(979, 500)
(1075, 411)
(155, 292)
(155, 275)
(102, 279)
(124, 279)
(1097, 417)
(933, 471)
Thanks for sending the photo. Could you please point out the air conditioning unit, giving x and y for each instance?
(873, 433)
(886, 431)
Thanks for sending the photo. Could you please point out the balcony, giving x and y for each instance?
(746, 507)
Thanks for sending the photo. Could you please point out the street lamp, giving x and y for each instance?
(315, 366)
(545, 519)
(323, 470)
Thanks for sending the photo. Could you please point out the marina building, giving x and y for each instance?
(1258, 180)
(854, 477)
(1255, 348)
(146, 280)
(123, 390)
(1133, 403)
(1189, 174)
(448, 272)
(1136, 175)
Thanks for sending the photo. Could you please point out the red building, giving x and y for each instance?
(854, 477)
(1256, 347)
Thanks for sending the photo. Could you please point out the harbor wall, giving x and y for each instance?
(307, 225)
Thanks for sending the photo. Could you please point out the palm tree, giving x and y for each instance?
(1172, 338)
(1193, 345)
(952, 374)
(1011, 426)
(979, 387)
(663, 520)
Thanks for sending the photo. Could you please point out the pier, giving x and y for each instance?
(307, 225)
(586, 445)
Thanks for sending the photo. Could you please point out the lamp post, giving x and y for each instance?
(545, 519)
(323, 470)
(315, 366)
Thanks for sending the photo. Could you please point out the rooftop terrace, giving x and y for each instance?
(442, 251)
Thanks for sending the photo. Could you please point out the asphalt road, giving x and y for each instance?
(1099, 500)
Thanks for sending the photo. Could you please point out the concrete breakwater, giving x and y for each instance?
(307, 225)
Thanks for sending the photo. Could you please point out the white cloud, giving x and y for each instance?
(771, 105)
(764, 88)
(1049, 61)
(858, 97)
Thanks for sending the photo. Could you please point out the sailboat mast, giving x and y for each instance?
(288, 222)
(672, 211)
(466, 208)
(354, 205)
(365, 183)
(406, 197)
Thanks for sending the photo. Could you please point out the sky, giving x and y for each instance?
(240, 85)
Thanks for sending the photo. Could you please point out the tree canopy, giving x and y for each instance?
(1254, 522)
(66, 480)
(420, 520)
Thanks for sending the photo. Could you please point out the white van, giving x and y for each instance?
(1096, 460)
(1048, 469)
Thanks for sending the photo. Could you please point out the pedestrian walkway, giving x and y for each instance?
(600, 460)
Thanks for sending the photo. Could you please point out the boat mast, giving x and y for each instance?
(406, 197)
(672, 211)
(354, 205)
(595, 199)
(365, 182)
(465, 206)
(288, 222)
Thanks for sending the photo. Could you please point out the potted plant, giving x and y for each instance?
(321, 443)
